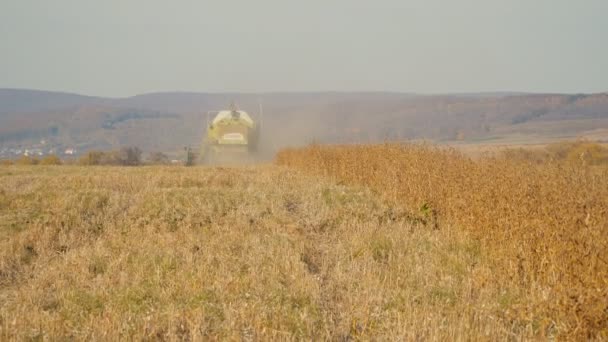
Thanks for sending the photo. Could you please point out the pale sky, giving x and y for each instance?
(127, 47)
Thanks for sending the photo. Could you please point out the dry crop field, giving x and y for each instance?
(540, 218)
(333, 243)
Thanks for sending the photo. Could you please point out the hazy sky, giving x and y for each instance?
(127, 47)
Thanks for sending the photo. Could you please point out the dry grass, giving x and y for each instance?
(262, 252)
(542, 226)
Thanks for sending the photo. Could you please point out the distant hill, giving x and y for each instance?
(27, 101)
(169, 121)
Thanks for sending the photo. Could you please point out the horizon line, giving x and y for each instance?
(295, 92)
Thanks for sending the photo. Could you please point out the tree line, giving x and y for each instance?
(126, 156)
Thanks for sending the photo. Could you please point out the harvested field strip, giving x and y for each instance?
(111, 253)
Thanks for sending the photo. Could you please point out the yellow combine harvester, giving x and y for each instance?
(232, 136)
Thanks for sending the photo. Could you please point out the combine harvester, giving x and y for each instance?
(232, 137)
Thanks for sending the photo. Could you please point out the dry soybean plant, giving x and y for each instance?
(544, 225)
